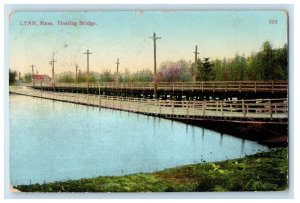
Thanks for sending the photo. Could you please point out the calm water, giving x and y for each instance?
(53, 141)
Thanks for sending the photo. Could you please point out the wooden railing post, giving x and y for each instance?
(222, 111)
(243, 108)
(159, 107)
(187, 109)
(121, 106)
(271, 110)
(77, 97)
(203, 107)
(172, 108)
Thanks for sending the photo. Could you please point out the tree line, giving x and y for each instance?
(267, 64)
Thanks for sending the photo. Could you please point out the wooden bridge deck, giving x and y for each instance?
(259, 110)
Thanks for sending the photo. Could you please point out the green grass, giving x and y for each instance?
(265, 171)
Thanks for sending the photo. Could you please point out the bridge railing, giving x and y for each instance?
(224, 86)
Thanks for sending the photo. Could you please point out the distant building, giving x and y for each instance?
(41, 79)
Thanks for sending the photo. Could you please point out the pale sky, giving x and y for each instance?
(125, 35)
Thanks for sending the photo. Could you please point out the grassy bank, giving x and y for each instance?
(265, 171)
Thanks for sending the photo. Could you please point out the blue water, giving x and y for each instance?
(54, 141)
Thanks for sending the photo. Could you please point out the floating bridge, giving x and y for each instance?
(271, 110)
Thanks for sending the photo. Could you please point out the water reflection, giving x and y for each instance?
(193, 138)
(202, 134)
(243, 142)
(221, 140)
(52, 141)
(186, 128)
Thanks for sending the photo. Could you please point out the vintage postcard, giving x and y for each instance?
(148, 101)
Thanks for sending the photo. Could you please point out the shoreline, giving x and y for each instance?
(265, 171)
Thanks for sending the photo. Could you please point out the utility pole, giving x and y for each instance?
(155, 76)
(87, 69)
(76, 67)
(53, 79)
(32, 66)
(117, 78)
(196, 58)
(19, 79)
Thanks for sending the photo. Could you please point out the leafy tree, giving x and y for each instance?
(267, 61)
(126, 76)
(218, 70)
(237, 67)
(197, 68)
(106, 76)
(186, 70)
(27, 78)
(142, 76)
(12, 77)
(281, 61)
(66, 77)
(175, 71)
(253, 69)
(81, 77)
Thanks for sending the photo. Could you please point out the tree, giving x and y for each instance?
(12, 77)
(126, 76)
(186, 70)
(142, 76)
(218, 70)
(66, 77)
(81, 77)
(28, 78)
(267, 61)
(106, 76)
(237, 67)
(253, 70)
(281, 61)
(179, 71)
(205, 69)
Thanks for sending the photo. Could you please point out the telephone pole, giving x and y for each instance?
(53, 79)
(88, 69)
(117, 78)
(76, 67)
(155, 77)
(19, 79)
(196, 58)
(32, 66)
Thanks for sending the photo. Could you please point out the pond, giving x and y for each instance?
(54, 141)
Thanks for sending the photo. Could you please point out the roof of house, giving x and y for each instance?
(40, 77)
